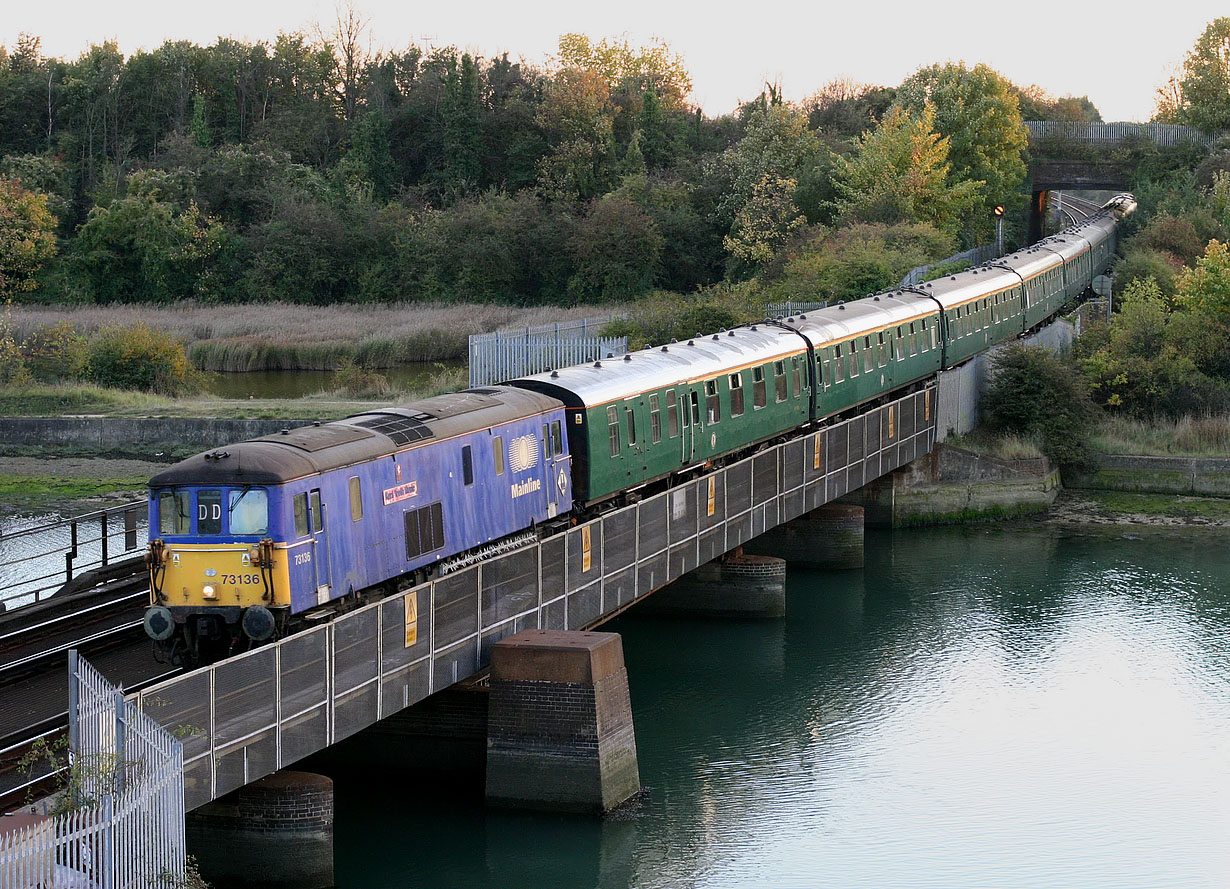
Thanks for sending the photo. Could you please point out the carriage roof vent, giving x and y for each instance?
(730, 333)
(285, 431)
(598, 363)
(664, 349)
(627, 356)
(555, 374)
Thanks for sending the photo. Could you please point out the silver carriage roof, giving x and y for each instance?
(968, 285)
(863, 316)
(658, 367)
(1029, 261)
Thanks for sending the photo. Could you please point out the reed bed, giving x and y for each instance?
(1205, 435)
(283, 336)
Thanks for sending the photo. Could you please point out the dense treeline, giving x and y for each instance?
(308, 169)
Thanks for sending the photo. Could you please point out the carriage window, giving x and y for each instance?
(913, 339)
(759, 396)
(798, 381)
(839, 364)
(655, 419)
(922, 335)
(672, 414)
(301, 515)
(249, 511)
(557, 439)
(497, 453)
(315, 512)
(881, 351)
(173, 515)
(356, 501)
(736, 395)
(209, 512)
(695, 409)
(852, 346)
(631, 425)
(713, 407)
(934, 331)
(467, 465)
(900, 343)
(612, 429)
(779, 380)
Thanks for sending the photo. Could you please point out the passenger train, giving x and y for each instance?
(257, 538)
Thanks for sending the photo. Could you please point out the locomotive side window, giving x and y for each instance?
(759, 396)
(316, 512)
(779, 380)
(497, 454)
(173, 517)
(209, 512)
(356, 499)
(736, 395)
(249, 511)
(672, 414)
(301, 515)
(467, 465)
(655, 419)
(557, 439)
(713, 406)
(612, 429)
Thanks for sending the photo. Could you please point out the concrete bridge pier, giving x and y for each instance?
(830, 536)
(736, 585)
(559, 727)
(275, 832)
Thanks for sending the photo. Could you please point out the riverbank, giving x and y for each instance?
(70, 485)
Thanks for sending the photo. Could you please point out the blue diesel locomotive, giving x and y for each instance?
(250, 540)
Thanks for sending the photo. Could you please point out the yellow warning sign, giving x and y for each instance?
(412, 619)
(712, 495)
(817, 455)
(586, 558)
(890, 421)
(927, 405)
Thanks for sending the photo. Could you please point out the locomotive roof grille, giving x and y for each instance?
(402, 430)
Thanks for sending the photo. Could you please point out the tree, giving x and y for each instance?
(1205, 289)
(1201, 96)
(764, 223)
(462, 135)
(843, 109)
(977, 112)
(616, 249)
(27, 238)
(900, 173)
(630, 71)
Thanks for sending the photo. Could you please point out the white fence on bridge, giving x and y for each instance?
(126, 829)
(1164, 134)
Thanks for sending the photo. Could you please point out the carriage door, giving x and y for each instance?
(558, 469)
(309, 559)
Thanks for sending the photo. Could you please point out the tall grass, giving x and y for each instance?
(280, 336)
(1189, 436)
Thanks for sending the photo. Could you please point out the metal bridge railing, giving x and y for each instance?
(124, 827)
(37, 560)
(505, 355)
(1164, 134)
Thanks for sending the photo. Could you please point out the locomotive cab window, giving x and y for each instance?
(248, 509)
(209, 512)
(316, 512)
(173, 513)
(302, 528)
(356, 499)
(736, 395)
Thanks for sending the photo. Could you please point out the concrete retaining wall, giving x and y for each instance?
(138, 436)
(1196, 476)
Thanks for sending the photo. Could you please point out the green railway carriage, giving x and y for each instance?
(1043, 283)
(645, 415)
(867, 348)
(978, 308)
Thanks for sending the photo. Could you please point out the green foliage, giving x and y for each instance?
(1201, 96)
(139, 358)
(764, 223)
(13, 369)
(55, 352)
(27, 238)
(1037, 395)
(900, 173)
(842, 109)
(666, 317)
(1171, 235)
(616, 249)
(1139, 264)
(1205, 289)
(852, 262)
(352, 380)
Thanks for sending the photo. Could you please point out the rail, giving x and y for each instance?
(39, 560)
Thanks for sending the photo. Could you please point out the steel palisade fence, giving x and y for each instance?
(506, 354)
(37, 561)
(254, 714)
(1166, 135)
(127, 829)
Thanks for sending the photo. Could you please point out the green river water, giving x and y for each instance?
(998, 707)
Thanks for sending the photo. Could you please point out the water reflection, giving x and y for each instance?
(974, 709)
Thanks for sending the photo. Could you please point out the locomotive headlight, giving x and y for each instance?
(209, 591)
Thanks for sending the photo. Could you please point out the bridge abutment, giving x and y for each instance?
(737, 585)
(277, 831)
(830, 536)
(559, 732)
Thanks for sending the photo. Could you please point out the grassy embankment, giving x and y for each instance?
(278, 336)
(34, 493)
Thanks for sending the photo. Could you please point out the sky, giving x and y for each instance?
(1114, 55)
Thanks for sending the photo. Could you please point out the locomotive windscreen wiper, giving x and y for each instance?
(235, 501)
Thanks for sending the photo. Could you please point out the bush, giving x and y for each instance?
(1040, 396)
(55, 352)
(354, 381)
(1140, 264)
(669, 316)
(1172, 235)
(140, 358)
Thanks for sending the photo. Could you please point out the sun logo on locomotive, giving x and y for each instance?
(523, 453)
